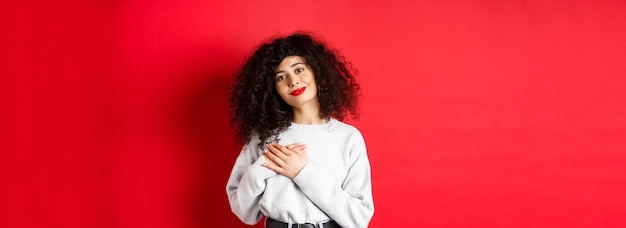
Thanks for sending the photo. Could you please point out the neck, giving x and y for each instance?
(308, 115)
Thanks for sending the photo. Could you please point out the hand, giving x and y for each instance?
(293, 146)
(286, 160)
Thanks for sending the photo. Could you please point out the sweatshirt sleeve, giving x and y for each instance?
(349, 203)
(246, 184)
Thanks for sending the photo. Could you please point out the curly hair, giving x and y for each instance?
(258, 110)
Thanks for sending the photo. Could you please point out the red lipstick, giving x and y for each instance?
(298, 91)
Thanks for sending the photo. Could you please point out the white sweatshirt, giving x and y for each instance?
(334, 185)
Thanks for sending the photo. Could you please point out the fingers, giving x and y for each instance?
(282, 148)
(270, 164)
(281, 151)
(271, 156)
(286, 160)
(278, 150)
(296, 147)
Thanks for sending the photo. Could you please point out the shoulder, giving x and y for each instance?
(253, 144)
(351, 138)
(341, 125)
(345, 129)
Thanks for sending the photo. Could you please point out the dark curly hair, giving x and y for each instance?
(256, 107)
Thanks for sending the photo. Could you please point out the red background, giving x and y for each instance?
(475, 113)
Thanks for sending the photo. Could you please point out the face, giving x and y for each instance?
(295, 82)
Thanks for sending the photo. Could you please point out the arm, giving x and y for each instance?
(349, 203)
(247, 184)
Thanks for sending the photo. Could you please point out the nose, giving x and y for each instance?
(293, 82)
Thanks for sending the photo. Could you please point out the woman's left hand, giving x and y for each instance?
(286, 160)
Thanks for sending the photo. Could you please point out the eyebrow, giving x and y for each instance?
(292, 65)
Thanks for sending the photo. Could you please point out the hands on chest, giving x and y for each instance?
(287, 160)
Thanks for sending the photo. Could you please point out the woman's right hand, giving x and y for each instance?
(286, 160)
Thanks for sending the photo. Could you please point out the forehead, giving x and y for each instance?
(289, 62)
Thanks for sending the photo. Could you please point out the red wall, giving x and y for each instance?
(476, 114)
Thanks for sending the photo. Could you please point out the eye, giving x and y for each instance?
(280, 78)
(299, 70)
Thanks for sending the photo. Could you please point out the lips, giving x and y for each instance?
(298, 91)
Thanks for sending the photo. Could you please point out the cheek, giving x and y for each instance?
(280, 88)
(310, 79)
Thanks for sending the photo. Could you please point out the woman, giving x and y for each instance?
(300, 164)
